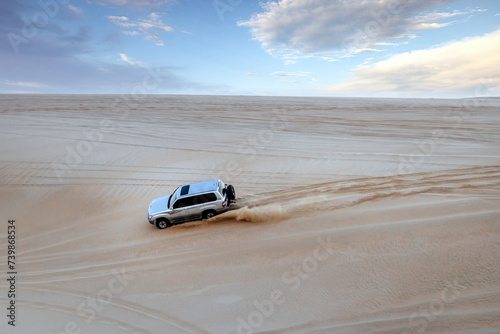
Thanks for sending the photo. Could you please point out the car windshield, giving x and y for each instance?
(173, 197)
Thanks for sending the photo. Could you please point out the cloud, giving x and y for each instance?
(67, 57)
(132, 33)
(148, 27)
(456, 67)
(290, 74)
(125, 58)
(250, 74)
(367, 50)
(130, 60)
(438, 16)
(117, 19)
(424, 26)
(83, 35)
(23, 84)
(55, 38)
(74, 9)
(71, 13)
(49, 73)
(333, 27)
(137, 3)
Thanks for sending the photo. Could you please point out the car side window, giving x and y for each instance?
(198, 200)
(183, 202)
(178, 204)
(195, 200)
(205, 198)
(210, 197)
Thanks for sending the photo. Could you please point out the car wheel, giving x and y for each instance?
(231, 194)
(162, 223)
(209, 214)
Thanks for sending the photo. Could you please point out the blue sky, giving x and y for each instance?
(393, 48)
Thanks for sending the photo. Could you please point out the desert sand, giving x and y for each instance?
(352, 215)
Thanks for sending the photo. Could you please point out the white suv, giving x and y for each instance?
(193, 201)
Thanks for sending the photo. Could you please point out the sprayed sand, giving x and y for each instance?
(352, 216)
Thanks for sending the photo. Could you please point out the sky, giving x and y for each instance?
(353, 48)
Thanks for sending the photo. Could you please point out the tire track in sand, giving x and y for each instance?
(124, 306)
(308, 200)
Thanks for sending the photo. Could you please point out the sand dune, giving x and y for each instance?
(352, 215)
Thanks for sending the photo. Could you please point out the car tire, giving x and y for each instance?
(231, 194)
(162, 223)
(208, 214)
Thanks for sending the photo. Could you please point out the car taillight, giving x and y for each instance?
(224, 204)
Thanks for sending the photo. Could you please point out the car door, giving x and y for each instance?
(210, 202)
(181, 210)
(197, 206)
